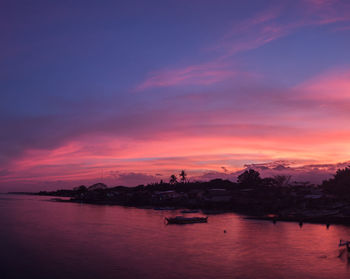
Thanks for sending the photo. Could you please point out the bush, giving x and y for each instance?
(249, 178)
(339, 184)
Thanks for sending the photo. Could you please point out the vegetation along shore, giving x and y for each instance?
(273, 198)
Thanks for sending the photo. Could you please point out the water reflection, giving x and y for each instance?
(42, 239)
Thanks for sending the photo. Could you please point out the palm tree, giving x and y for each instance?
(173, 179)
(183, 175)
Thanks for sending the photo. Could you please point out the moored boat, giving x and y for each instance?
(186, 220)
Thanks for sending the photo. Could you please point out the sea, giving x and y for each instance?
(41, 238)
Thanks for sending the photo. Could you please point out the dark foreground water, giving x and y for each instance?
(44, 239)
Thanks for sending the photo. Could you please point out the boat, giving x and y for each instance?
(185, 220)
(189, 211)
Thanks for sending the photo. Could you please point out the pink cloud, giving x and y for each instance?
(276, 22)
(196, 152)
(256, 39)
(227, 129)
(259, 30)
(332, 86)
(255, 32)
(322, 12)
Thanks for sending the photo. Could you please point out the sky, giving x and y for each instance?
(129, 92)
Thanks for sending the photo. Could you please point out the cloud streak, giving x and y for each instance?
(200, 74)
(263, 28)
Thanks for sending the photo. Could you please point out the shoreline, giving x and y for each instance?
(321, 220)
(265, 200)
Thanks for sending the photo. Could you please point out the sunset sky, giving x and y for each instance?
(129, 92)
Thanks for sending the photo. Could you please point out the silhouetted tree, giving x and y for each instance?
(282, 180)
(81, 188)
(173, 179)
(97, 186)
(269, 181)
(249, 178)
(183, 175)
(339, 184)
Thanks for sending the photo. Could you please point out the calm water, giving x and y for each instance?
(44, 239)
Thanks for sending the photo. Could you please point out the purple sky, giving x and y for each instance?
(129, 92)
